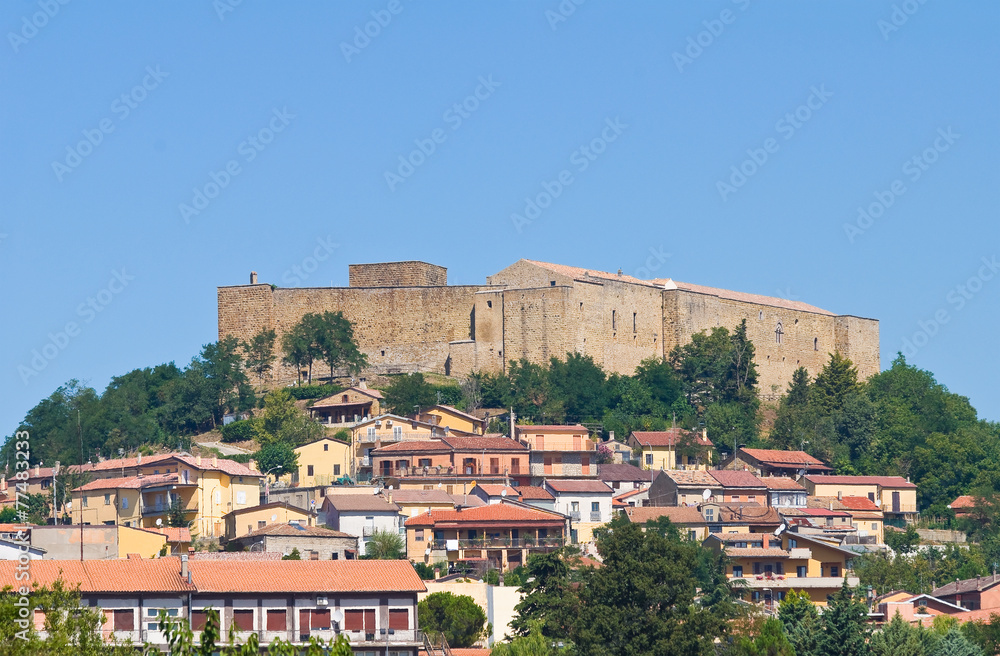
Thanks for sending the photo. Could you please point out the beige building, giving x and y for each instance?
(537, 310)
(347, 407)
(894, 495)
(140, 491)
(675, 448)
(247, 520)
(456, 420)
(383, 430)
(322, 462)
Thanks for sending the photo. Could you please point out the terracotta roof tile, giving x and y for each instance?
(574, 428)
(495, 490)
(692, 477)
(676, 514)
(858, 503)
(332, 576)
(779, 457)
(732, 479)
(235, 555)
(137, 575)
(334, 399)
(882, 481)
(497, 512)
(360, 503)
(968, 585)
(781, 483)
(484, 442)
(414, 446)
(669, 437)
(735, 552)
(964, 501)
(132, 483)
(534, 493)
(297, 531)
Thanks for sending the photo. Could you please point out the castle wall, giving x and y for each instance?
(397, 274)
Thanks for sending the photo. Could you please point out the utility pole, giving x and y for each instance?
(79, 433)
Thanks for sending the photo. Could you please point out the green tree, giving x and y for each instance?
(837, 379)
(550, 603)
(293, 555)
(298, 350)
(984, 634)
(259, 353)
(334, 339)
(177, 514)
(458, 617)
(897, 638)
(408, 393)
(845, 626)
(533, 644)
(770, 640)
(579, 383)
(741, 374)
(37, 508)
(281, 421)
(661, 380)
(532, 393)
(703, 365)
(801, 621)
(903, 542)
(385, 545)
(225, 380)
(954, 643)
(278, 458)
(655, 593)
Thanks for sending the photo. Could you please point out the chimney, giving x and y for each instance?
(184, 566)
(215, 462)
(197, 461)
(362, 383)
(611, 436)
(840, 495)
(38, 470)
(253, 277)
(437, 573)
(138, 460)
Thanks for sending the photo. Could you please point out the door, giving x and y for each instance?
(895, 502)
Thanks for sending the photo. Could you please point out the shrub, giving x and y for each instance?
(238, 431)
(301, 392)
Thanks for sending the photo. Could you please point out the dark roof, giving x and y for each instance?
(361, 503)
(977, 584)
(669, 437)
(297, 531)
(729, 478)
(623, 472)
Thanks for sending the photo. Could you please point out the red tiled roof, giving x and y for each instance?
(692, 477)
(132, 483)
(230, 467)
(573, 487)
(881, 481)
(421, 496)
(235, 555)
(669, 437)
(329, 402)
(297, 531)
(964, 501)
(534, 493)
(331, 576)
(414, 446)
(498, 512)
(781, 483)
(820, 512)
(484, 442)
(128, 576)
(730, 478)
(858, 503)
(779, 457)
(676, 514)
(754, 552)
(977, 584)
(494, 490)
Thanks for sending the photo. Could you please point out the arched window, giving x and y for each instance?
(778, 333)
(815, 343)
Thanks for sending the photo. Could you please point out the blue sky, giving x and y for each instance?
(735, 140)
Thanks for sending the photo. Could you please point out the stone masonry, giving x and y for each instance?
(407, 318)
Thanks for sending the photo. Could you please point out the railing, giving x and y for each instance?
(903, 508)
(366, 461)
(368, 531)
(575, 515)
(502, 543)
(595, 516)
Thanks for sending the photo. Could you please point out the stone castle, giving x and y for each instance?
(407, 318)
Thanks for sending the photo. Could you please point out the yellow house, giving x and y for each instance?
(413, 502)
(368, 435)
(139, 492)
(895, 496)
(456, 420)
(321, 463)
(769, 566)
(675, 448)
(143, 542)
(247, 520)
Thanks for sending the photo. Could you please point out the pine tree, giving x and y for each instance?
(845, 627)
(801, 621)
(798, 389)
(955, 644)
(897, 638)
(835, 382)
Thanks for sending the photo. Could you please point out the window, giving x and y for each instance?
(515, 465)
(595, 506)
(153, 615)
(335, 556)
(241, 497)
(779, 567)
(326, 447)
(834, 570)
(585, 464)
(418, 535)
(489, 304)
(738, 571)
(756, 568)
(313, 555)
(494, 465)
(371, 431)
(262, 523)
(125, 503)
(124, 620)
(243, 620)
(424, 462)
(709, 514)
(800, 571)
(320, 620)
(359, 620)
(752, 497)
(778, 333)
(336, 470)
(198, 620)
(649, 458)
(397, 432)
(399, 619)
(792, 543)
(815, 343)
(309, 470)
(633, 323)
(552, 283)
(84, 502)
(575, 506)
(107, 499)
(277, 620)
(217, 497)
(614, 319)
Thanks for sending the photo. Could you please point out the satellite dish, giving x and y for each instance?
(706, 494)
(503, 492)
(779, 530)
(427, 551)
(337, 616)
(274, 518)
(801, 473)
(390, 488)
(159, 522)
(439, 486)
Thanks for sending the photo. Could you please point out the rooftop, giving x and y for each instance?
(881, 481)
(579, 487)
(692, 477)
(296, 531)
(327, 576)
(781, 483)
(360, 503)
(132, 483)
(964, 501)
(534, 493)
(129, 576)
(977, 584)
(498, 512)
(623, 472)
(670, 437)
(730, 479)
(575, 428)
(779, 457)
(676, 514)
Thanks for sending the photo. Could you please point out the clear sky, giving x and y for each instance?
(150, 152)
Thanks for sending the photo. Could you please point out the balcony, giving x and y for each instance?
(595, 516)
(800, 553)
(366, 461)
(787, 582)
(502, 543)
(575, 515)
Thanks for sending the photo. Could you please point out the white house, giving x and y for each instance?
(588, 504)
(361, 515)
